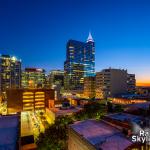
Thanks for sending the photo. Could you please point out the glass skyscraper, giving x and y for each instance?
(10, 72)
(80, 63)
(33, 78)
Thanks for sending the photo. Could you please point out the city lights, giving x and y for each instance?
(65, 88)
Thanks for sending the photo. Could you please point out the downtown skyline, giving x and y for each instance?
(37, 32)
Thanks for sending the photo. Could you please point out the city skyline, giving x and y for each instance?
(42, 29)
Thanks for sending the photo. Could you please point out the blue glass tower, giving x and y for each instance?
(80, 63)
(89, 57)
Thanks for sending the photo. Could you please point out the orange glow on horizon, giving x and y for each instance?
(143, 84)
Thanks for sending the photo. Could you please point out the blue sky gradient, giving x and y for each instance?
(37, 31)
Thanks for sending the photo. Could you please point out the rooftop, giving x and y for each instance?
(9, 126)
(26, 127)
(34, 70)
(125, 117)
(63, 112)
(139, 105)
(101, 135)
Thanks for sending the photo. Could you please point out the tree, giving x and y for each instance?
(118, 108)
(91, 110)
(55, 136)
(109, 107)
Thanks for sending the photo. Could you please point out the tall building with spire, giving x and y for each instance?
(80, 63)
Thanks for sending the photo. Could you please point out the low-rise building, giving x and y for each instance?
(125, 101)
(144, 91)
(53, 113)
(10, 132)
(142, 109)
(112, 132)
(123, 120)
(28, 99)
(94, 135)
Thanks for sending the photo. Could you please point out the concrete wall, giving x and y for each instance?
(111, 82)
(76, 142)
(118, 81)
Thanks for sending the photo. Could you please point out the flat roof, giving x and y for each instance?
(9, 131)
(26, 126)
(139, 105)
(61, 112)
(125, 117)
(101, 135)
(9, 121)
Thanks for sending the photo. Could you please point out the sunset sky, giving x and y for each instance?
(36, 31)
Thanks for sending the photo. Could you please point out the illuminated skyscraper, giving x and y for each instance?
(10, 72)
(56, 77)
(56, 82)
(80, 63)
(33, 78)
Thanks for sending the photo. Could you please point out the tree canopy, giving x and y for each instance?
(56, 135)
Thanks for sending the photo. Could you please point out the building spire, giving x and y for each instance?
(90, 39)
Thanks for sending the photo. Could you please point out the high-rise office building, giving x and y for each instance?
(33, 78)
(110, 82)
(56, 77)
(113, 82)
(80, 63)
(56, 82)
(10, 72)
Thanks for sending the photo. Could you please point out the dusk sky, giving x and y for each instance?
(36, 31)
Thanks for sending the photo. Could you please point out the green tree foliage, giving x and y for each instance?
(114, 108)
(55, 136)
(118, 108)
(91, 110)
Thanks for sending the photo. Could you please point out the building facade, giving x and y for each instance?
(33, 78)
(28, 99)
(10, 72)
(96, 135)
(143, 91)
(131, 83)
(89, 87)
(56, 77)
(111, 82)
(80, 63)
